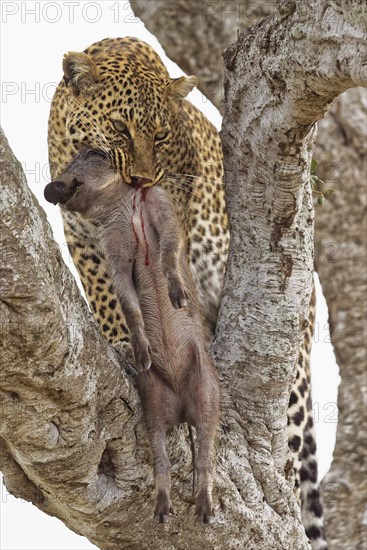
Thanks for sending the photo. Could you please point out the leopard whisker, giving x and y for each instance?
(183, 188)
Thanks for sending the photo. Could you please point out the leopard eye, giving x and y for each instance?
(95, 153)
(121, 128)
(162, 135)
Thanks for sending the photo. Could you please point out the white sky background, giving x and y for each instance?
(34, 38)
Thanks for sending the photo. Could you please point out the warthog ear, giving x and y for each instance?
(178, 88)
(80, 73)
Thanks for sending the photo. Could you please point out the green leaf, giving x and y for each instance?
(314, 166)
(317, 184)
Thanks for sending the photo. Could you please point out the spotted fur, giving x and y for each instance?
(302, 442)
(117, 96)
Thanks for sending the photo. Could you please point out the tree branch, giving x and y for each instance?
(341, 259)
(268, 140)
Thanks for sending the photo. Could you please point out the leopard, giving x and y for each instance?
(117, 97)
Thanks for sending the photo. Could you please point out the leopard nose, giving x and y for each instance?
(137, 181)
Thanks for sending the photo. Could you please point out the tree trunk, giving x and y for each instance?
(341, 259)
(72, 438)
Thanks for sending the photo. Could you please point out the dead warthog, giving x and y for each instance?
(144, 248)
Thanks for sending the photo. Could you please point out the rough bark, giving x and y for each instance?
(202, 29)
(341, 260)
(269, 166)
(72, 439)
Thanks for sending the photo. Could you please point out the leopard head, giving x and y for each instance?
(124, 109)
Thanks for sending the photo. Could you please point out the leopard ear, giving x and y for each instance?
(80, 73)
(178, 88)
